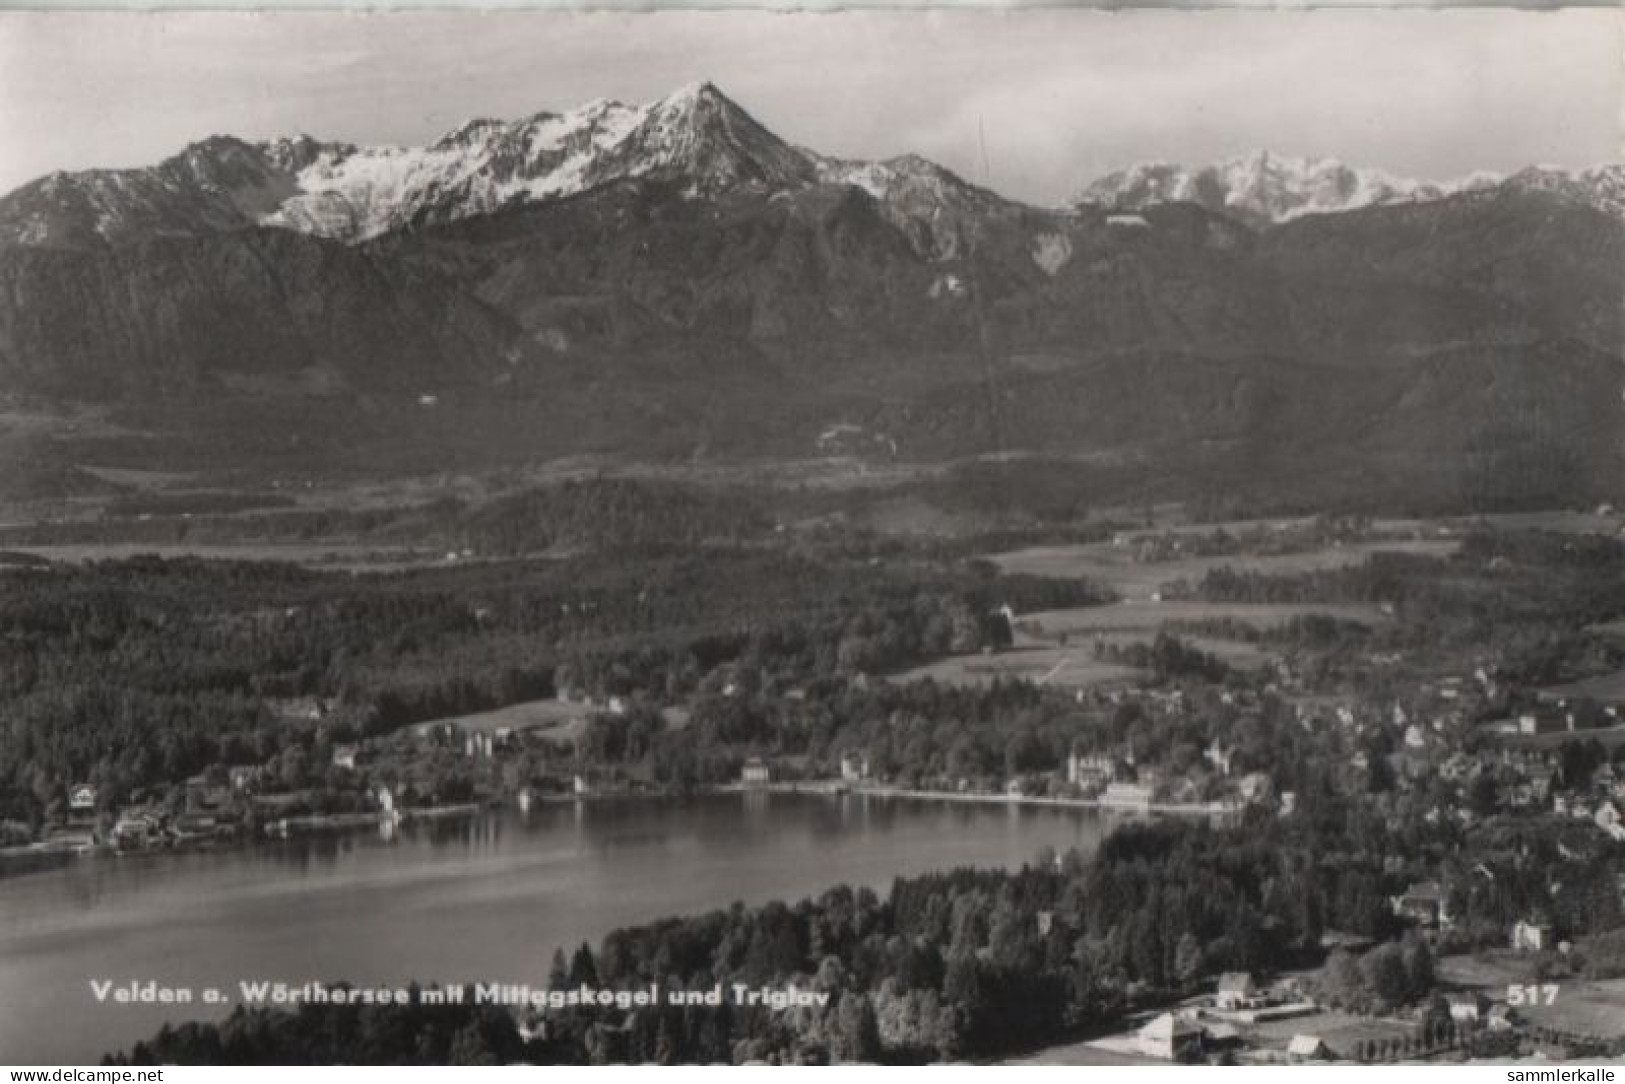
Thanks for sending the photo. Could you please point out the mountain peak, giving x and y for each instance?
(474, 128)
(696, 138)
(700, 135)
(702, 90)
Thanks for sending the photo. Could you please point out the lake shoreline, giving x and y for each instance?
(482, 899)
(1091, 805)
(348, 823)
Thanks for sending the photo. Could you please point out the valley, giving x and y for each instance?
(567, 546)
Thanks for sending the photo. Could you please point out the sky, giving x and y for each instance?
(1057, 97)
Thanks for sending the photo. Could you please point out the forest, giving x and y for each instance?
(143, 671)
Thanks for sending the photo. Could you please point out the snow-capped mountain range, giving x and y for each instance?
(1265, 188)
(696, 134)
(696, 138)
(1601, 186)
(652, 280)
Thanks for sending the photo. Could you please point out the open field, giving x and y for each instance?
(1585, 1008)
(1560, 520)
(1582, 1006)
(1607, 737)
(1235, 654)
(1604, 688)
(1039, 654)
(1085, 1053)
(562, 720)
(1141, 615)
(136, 478)
(1167, 522)
(1138, 621)
(1116, 567)
(1339, 1030)
(1072, 668)
(312, 555)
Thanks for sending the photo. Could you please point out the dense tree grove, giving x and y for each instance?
(135, 672)
(410, 1034)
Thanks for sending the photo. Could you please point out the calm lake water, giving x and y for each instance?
(482, 900)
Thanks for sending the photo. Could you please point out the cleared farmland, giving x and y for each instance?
(1141, 616)
(1064, 667)
(560, 719)
(331, 555)
(1581, 1006)
(1056, 647)
(1117, 568)
(1604, 688)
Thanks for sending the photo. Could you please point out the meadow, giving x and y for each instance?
(1581, 1006)
(1070, 668)
(1116, 567)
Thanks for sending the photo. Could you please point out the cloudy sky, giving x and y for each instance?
(1062, 96)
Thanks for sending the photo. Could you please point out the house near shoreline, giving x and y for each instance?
(1237, 991)
(136, 829)
(1256, 788)
(1304, 1048)
(309, 709)
(244, 776)
(1127, 796)
(1170, 1037)
(755, 773)
(1467, 1008)
(1533, 936)
(1083, 769)
(1424, 903)
(196, 825)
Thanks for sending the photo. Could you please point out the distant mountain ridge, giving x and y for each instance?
(1265, 189)
(697, 137)
(675, 280)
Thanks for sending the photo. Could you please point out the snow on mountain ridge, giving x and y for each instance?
(351, 193)
(695, 137)
(354, 193)
(1602, 186)
(1264, 188)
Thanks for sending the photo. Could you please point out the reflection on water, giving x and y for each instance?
(483, 899)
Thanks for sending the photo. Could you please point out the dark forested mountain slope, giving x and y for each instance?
(676, 279)
(254, 311)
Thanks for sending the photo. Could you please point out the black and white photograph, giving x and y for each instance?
(1038, 536)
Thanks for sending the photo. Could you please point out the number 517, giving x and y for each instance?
(1531, 994)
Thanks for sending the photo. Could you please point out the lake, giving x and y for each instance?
(480, 900)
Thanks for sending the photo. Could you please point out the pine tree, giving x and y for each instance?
(583, 970)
